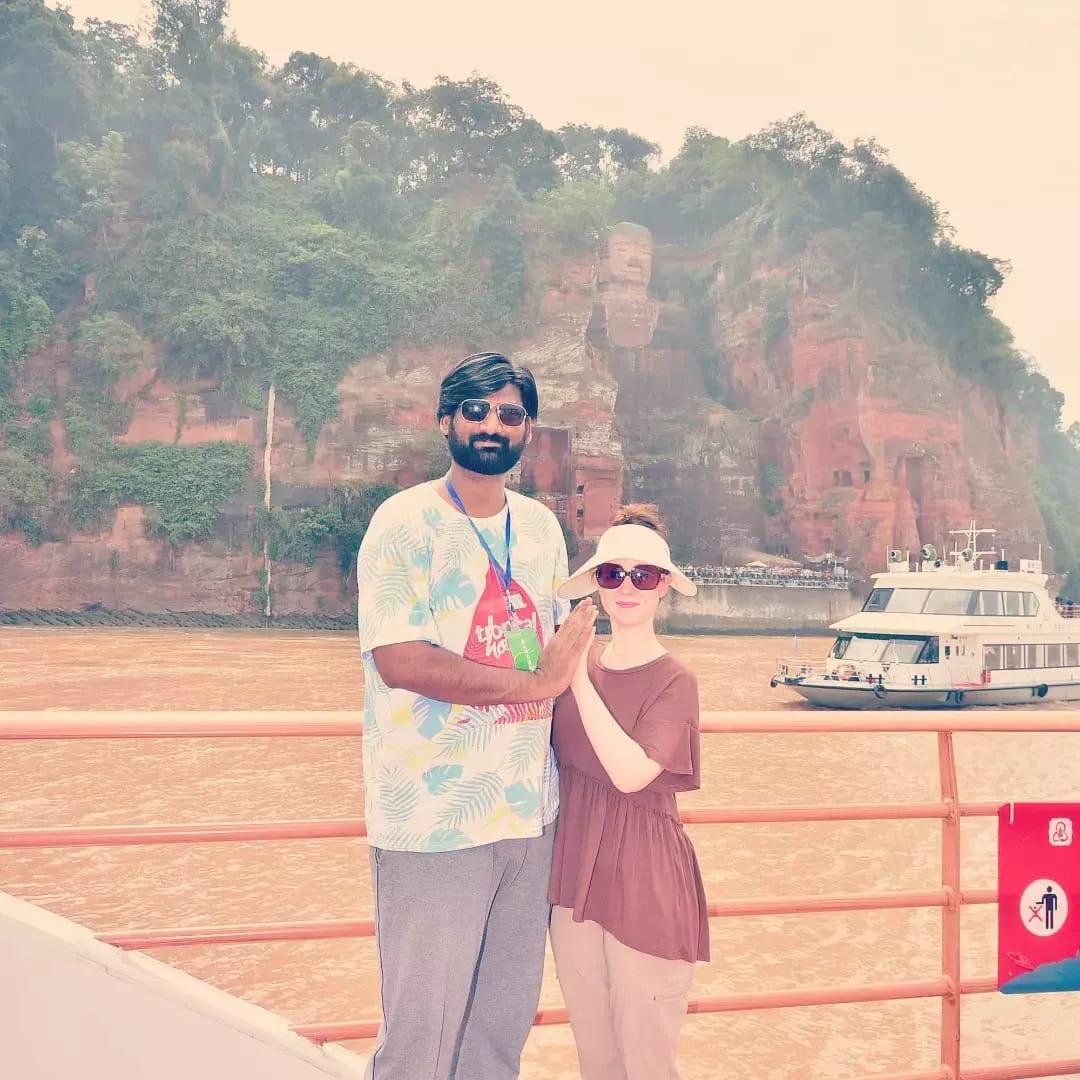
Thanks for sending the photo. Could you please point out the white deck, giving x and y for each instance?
(73, 1007)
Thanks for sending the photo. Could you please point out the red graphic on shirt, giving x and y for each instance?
(487, 637)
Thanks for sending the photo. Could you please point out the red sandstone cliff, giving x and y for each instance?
(866, 437)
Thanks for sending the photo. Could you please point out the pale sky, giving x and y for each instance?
(974, 98)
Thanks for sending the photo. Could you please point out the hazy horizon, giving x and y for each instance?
(972, 99)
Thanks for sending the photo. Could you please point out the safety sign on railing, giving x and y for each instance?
(1038, 898)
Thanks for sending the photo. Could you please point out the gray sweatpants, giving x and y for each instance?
(461, 938)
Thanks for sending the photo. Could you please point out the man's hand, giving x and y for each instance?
(562, 654)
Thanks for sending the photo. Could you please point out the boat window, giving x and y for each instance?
(1031, 604)
(929, 653)
(903, 651)
(993, 657)
(989, 603)
(1014, 604)
(866, 648)
(908, 601)
(1014, 656)
(1072, 655)
(950, 602)
(1035, 655)
(878, 600)
(840, 647)
(1055, 655)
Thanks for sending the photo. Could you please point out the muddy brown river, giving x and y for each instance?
(158, 781)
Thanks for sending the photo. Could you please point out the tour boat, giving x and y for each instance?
(967, 630)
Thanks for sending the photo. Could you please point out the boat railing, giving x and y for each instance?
(800, 667)
(949, 895)
(858, 671)
(1068, 609)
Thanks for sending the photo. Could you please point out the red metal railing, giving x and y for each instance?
(950, 897)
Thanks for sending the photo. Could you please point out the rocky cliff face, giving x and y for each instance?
(774, 415)
(871, 439)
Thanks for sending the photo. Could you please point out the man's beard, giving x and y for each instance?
(493, 461)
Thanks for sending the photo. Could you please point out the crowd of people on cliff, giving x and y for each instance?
(783, 576)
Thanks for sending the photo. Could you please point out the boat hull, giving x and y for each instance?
(833, 694)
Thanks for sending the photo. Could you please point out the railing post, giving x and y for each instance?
(950, 913)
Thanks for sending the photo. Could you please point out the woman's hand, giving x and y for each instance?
(581, 673)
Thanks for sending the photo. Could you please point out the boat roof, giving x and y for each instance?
(950, 578)
(884, 622)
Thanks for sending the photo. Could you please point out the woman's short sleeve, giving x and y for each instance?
(668, 733)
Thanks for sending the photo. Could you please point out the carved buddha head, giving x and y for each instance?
(629, 258)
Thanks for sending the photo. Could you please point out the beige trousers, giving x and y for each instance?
(625, 1006)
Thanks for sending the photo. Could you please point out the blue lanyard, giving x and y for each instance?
(505, 575)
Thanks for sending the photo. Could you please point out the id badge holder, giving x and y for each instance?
(524, 645)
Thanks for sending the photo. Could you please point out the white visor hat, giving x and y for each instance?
(623, 543)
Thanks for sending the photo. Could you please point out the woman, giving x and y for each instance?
(629, 919)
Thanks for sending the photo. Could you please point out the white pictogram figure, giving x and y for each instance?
(1044, 907)
(1061, 832)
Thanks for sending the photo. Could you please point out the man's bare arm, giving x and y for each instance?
(437, 673)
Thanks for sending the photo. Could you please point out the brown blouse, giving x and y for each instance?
(623, 860)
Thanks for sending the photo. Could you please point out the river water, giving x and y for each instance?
(157, 781)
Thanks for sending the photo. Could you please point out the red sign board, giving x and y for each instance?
(1038, 898)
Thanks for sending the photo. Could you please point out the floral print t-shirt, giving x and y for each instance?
(440, 776)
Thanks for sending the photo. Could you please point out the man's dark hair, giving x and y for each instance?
(481, 374)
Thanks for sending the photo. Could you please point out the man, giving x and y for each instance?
(458, 617)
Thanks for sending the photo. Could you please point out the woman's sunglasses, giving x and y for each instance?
(611, 575)
(475, 410)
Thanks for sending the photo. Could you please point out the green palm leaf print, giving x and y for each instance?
(472, 798)
(472, 735)
(398, 795)
(528, 745)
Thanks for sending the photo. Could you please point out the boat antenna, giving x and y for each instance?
(972, 534)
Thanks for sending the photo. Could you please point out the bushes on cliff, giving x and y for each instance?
(572, 217)
(182, 486)
(770, 479)
(1056, 480)
(25, 319)
(298, 535)
(262, 289)
(25, 474)
(106, 347)
(25, 483)
(34, 278)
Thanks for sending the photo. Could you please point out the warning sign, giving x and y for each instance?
(1038, 883)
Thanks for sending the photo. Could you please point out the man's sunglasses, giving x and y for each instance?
(611, 575)
(475, 410)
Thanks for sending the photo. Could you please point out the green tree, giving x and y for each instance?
(604, 154)
(574, 215)
(46, 96)
(25, 502)
(98, 179)
(469, 128)
(106, 347)
(499, 235)
(184, 35)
